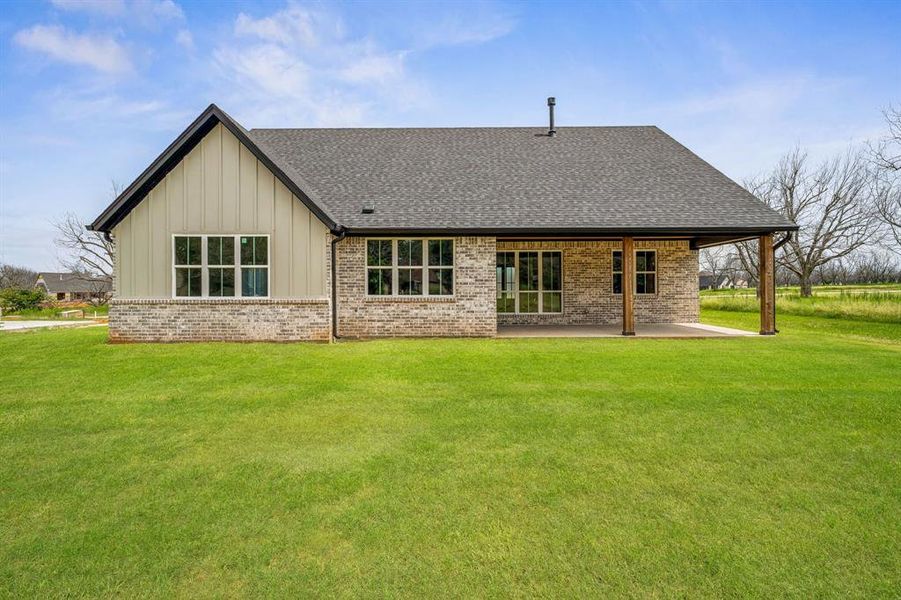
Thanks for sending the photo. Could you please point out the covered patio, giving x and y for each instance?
(643, 286)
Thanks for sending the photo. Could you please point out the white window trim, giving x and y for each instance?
(540, 291)
(204, 266)
(635, 281)
(394, 267)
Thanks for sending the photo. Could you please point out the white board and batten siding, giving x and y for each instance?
(221, 187)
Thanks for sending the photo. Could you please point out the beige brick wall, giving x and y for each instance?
(471, 312)
(241, 320)
(587, 299)
(588, 283)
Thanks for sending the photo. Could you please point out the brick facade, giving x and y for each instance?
(470, 312)
(236, 319)
(588, 297)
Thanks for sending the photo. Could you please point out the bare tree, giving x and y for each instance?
(21, 278)
(886, 158)
(746, 254)
(719, 261)
(831, 203)
(874, 267)
(87, 252)
(837, 272)
(887, 151)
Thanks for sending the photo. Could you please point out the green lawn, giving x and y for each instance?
(55, 312)
(572, 467)
(879, 303)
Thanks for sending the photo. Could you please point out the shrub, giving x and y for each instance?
(15, 299)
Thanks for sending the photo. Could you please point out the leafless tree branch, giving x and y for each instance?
(86, 252)
(832, 203)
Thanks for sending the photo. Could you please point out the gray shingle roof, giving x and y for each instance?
(72, 282)
(605, 178)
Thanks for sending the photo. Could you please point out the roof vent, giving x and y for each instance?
(368, 209)
(551, 102)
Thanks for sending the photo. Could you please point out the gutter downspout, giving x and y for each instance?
(339, 234)
(776, 246)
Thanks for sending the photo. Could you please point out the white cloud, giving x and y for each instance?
(98, 52)
(746, 127)
(477, 24)
(100, 7)
(290, 27)
(184, 39)
(147, 13)
(760, 97)
(266, 68)
(380, 68)
(153, 10)
(299, 66)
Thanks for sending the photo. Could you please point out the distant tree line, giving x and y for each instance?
(848, 209)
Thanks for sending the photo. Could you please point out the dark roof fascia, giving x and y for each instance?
(177, 150)
(570, 231)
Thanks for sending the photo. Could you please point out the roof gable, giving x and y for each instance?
(183, 145)
(491, 181)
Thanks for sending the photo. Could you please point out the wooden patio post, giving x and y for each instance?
(628, 285)
(766, 282)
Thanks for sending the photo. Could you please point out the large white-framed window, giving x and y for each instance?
(530, 281)
(645, 272)
(410, 267)
(506, 282)
(220, 266)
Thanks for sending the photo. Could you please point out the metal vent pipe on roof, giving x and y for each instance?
(551, 102)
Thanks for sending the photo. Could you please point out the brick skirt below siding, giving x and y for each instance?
(243, 320)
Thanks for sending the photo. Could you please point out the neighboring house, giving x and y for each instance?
(73, 286)
(294, 234)
(706, 281)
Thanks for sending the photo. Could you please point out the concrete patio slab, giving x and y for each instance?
(644, 330)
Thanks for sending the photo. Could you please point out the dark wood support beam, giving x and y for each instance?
(628, 285)
(766, 284)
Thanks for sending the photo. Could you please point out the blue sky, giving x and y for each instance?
(92, 91)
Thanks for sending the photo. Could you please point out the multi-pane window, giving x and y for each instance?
(506, 283)
(441, 267)
(530, 282)
(617, 271)
(379, 267)
(209, 266)
(254, 265)
(188, 266)
(551, 282)
(221, 265)
(645, 272)
(410, 267)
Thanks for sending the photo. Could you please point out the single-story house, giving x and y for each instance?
(310, 234)
(707, 281)
(73, 286)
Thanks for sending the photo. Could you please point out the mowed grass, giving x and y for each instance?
(879, 303)
(55, 312)
(747, 467)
